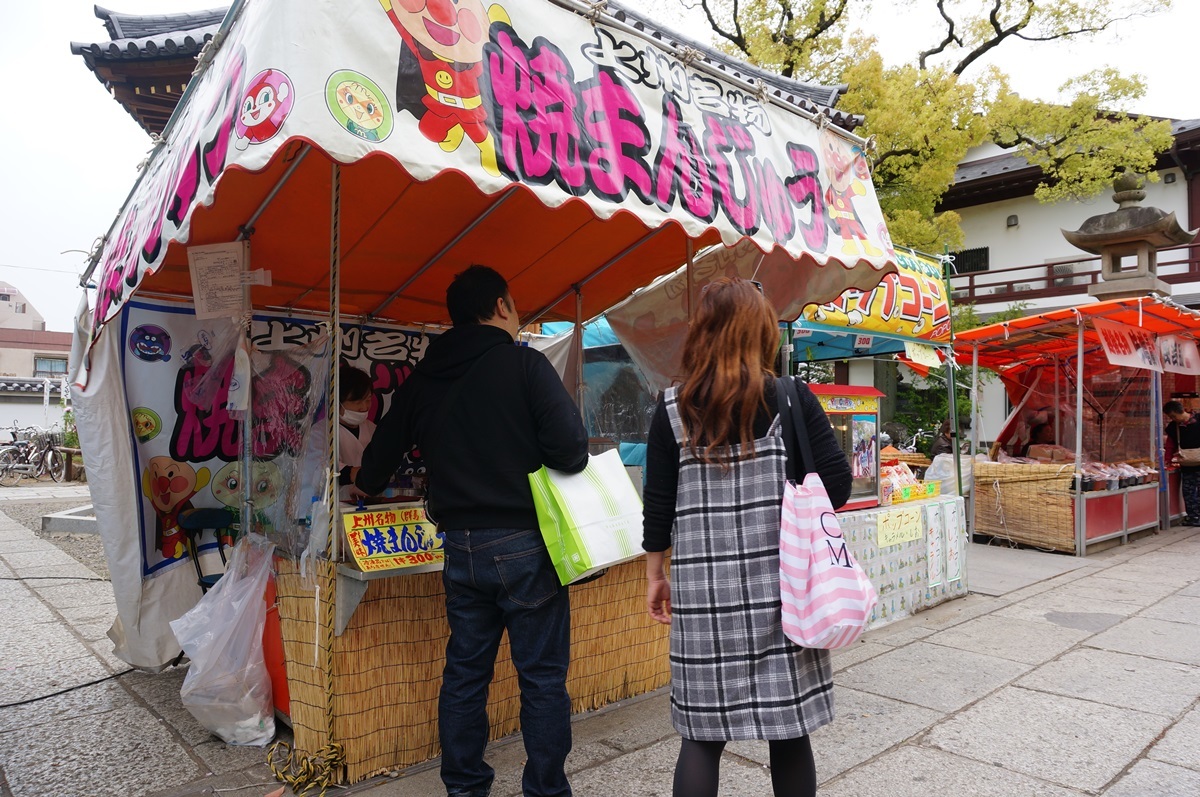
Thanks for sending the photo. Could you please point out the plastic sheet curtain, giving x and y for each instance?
(1116, 410)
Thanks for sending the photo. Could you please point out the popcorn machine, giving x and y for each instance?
(853, 412)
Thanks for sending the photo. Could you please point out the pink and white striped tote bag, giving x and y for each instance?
(827, 598)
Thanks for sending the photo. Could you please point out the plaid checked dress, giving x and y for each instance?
(734, 675)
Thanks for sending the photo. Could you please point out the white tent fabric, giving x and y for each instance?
(141, 634)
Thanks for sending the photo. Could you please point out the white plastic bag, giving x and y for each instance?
(228, 688)
(942, 470)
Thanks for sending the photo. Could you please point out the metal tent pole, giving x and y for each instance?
(975, 424)
(1080, 512)
(332, 545)
(577, 344)
(1156, 447)
(1057, 404)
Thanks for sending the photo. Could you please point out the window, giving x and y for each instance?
(19, 307)
(969, 261)
(49, 366)
(4, 297)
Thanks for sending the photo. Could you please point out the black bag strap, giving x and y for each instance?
(795, 428)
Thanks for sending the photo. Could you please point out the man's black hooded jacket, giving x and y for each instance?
(479, 441)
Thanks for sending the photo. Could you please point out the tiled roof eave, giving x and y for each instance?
(177, 44)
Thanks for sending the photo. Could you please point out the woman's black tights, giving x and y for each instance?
(793, 771)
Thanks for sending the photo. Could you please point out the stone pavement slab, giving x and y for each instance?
(998, 570)
(1074, 743)
(92, 754)
(921, 772)
(1105, 587)
(1175, 609)
(1143, 636)
(1010, 638)
(860, 651)
(864, 726)
(1120, 680)
(1065, 610)
(1181, 745)
(1159, 780)
(934, 676)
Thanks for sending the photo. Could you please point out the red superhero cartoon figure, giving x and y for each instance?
(846, 170)
(170, 486)
(440, 67)
(264, 107)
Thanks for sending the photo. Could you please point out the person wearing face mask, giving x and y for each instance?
(354, 428)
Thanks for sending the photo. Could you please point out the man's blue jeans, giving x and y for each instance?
(497, 580)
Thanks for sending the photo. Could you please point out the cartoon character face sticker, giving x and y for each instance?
(358, 105)
(453, 30)
(150, 343)
(264, 107)
(267, 486)
(146, 424)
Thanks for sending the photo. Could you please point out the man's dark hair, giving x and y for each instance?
(353, 383)
(471, 297)
(1172, 407)
(945, 428)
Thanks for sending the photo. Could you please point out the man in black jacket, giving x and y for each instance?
(484, 414)
(1183, 431)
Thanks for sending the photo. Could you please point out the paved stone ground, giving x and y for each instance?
(1086, 682)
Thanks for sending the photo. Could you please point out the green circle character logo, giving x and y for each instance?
(358, 105)
(146, 424)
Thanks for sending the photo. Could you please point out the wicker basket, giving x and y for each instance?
(1027, 504)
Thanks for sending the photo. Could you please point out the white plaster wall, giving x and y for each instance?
(1038, 236)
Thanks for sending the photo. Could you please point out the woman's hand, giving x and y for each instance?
(658, 589)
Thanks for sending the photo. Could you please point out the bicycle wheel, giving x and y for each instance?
(10, 460)
(38, 460)
(56, 463)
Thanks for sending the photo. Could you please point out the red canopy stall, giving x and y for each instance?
(1087, 386)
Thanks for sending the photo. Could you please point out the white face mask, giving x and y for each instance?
(353, 418)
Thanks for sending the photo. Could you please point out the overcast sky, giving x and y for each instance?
(70, 153)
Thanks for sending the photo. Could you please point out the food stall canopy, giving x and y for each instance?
(550, 139)
(908, 306)
(1013, 347)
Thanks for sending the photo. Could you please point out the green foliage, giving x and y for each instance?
(925, 115)
(70, 432)
(924, 403)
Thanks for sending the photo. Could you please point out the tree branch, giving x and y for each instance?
(736, 37)
(951, 37)
(1001, 35)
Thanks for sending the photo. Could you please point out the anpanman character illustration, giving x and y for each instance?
(846, 171)
(363, 110)
(440, 67)
(170, 486)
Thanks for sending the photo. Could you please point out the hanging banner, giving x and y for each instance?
(1128, 346)
(911, 303)
(518, 92)
(178, 371)
(1179, 355)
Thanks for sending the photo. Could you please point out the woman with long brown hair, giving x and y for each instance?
(715, 472)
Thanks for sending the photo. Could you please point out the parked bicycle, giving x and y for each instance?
(32, 454)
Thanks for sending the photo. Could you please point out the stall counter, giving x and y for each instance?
(914, 553)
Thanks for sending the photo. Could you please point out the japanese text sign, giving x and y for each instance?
(1128, 346)
(393, 539)
(900, 526)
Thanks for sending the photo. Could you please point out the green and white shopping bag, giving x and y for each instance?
(590, 520)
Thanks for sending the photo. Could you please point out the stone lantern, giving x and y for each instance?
(1131, 230)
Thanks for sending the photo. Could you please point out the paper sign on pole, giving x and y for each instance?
(1179, 355)
(922, 354)
(1128, 346)
(217, 278)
